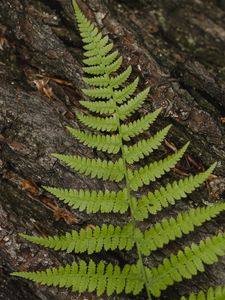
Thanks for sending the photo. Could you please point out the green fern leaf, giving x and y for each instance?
(212, 294)
(107, 143)
(114, 66)
(95, 168)
(108, 60)
(168, 230)
(110, 237)
(91, 38)
(128, 109)
(100, 107)
(101, 69)
(82, 276)
(98, 42)
(145, 147)
(147, 174)
(85, 26)
(97, 60)
(122, 95)
(88, 31)
(119, 103)
(117, 81)
(98, 92)
(134, 128)
(186, 263)
(92, 201)
(103, 124)
(99, 81)
(165, 196)
(97, 51)
(89, 240)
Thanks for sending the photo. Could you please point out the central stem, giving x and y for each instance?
(129, 199)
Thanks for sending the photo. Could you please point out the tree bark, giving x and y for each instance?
(176, 47)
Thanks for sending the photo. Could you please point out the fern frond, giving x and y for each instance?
(101, 107)
(172, 192)
(99, 81)
(114, 66)
(108, 60)
(101, 93)
(95, 168)
(157, 169)
(97, 51)
(89, 240)
(97, 60)
(118, 80)
(82, 276)
(107, 143)
(134, 128)
(118, 103)
(92, 201)
(186, 263)
(84, 24)
(169, 229)
(110, 237)
(101, 69)
(103, 124)
(122, 95)
(91, 61)
(93, 42)
(145, 147)
(98, 42)
(88, 32)
(217, 293)
(92, 36)
(129, 108)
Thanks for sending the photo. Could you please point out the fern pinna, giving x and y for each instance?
(114, 102)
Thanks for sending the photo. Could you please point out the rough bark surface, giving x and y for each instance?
(176, 47)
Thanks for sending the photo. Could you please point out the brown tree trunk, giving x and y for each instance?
(176, 47)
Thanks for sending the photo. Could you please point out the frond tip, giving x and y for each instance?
(90, 277)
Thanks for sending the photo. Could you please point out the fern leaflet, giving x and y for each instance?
(82, 276)
(92, 201)
(110, 237)
(107, 143)
(96, 168)
(212, 294)
(186, 263)
(147, 174)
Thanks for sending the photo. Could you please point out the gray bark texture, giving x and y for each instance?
(177, 48)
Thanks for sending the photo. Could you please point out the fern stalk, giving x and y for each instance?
(132, 210)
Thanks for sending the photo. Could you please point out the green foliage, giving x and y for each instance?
(93, 201)
(212, 294)
(113, 102)
(186, 263)
(94, 167)
(82, 276)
